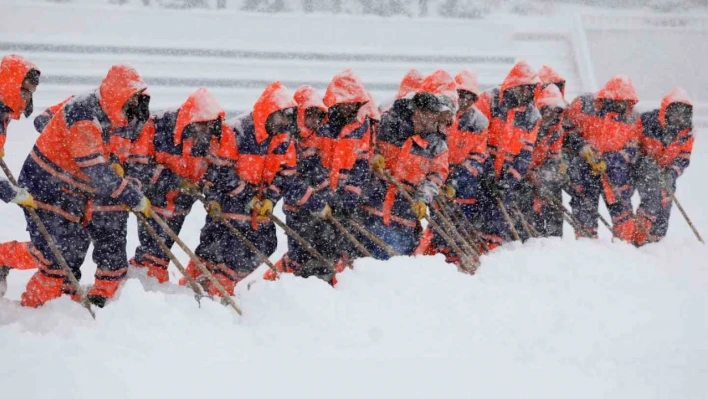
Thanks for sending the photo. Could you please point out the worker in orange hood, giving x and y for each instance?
(266, 170)
(18, 81)
(65, 180)
(467, 146)
(549, 76)
(603, 133)
(666, 145)
(412, 148)
(311, 116)
(513, 117)
(177, 155)
(542, 186)
(341, 163)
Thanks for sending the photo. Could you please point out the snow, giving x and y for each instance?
(553, 318)
(206, 106)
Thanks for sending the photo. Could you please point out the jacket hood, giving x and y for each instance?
(410, 83)
(549, 75)
(442, 85)
(200, 106)
(274, 98)
(121, 83)
(619, 88)
(307, 97)
(520, 75)
(345, 87)
(551, 97)
(468, 81)
(13, 70)
(676, 95)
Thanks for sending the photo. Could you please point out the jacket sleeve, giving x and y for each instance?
(437, 174)
(141, 163)
(87, 151)
(41, 121)
(350, 192)
(287, 185)
(573, 140)
(683, 159)
(222, 176)
(520, 164)
(7, 190)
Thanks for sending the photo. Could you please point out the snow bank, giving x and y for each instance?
(550, 318)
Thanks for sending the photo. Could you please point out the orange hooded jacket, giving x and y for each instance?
(344, 148)
(13, 70)
(587, 122)
(512, 133)
(74, 146)
(666, 145)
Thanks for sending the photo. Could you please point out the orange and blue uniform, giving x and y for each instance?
(13, 71)
(467, 146)
(66, 171)
(593, 123)
(419, 161)
(665, 153)
(310, 228)
(167, 155)
(265, 169)
(341, 162)
(512, 136)
(544, 182)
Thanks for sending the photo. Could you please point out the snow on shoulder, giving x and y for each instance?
(551, 318)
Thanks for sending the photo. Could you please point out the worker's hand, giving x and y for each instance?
(213, 208)
(187, 186)
(378, 163)
(448, 191)
(420, 209)
(24, 198)
(118, 169)
(263, 207)
(143, 207)
(325, 213)
(598, 168)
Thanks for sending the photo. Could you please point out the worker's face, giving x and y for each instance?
(314, 118)
(467, 98)
(524, 94)
(283, 121)
(551, 115)
(426, 120)
(679, 115)
(27, 92)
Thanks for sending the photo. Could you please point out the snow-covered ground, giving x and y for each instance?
(550, 318)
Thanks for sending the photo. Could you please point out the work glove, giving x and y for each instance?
(213, 208)
(420, 209)
(344, 204)
(23, 198)
(263, 207)
(597, 165)
(324, 213)
(378, 163)
(118, 169)
(188, 187)
(143, 207)
(448, 191)
(667, 179)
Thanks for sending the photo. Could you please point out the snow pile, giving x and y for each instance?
(551, 318)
